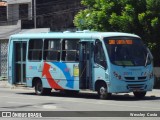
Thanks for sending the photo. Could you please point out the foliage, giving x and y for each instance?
(140, 17)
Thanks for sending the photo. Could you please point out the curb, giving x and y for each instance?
(4, 83)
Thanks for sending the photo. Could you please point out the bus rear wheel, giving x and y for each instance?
(39, 90)
(102, 92)
(139, 94)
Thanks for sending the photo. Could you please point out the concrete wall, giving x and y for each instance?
(13, 9)
(30, 11)
(18, 1)
(13, 12)
(157, 77)
(58, 15)
(157, 71)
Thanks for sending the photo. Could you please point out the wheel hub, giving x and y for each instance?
(102, 91)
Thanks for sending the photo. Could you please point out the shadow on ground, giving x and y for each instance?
(115, 97)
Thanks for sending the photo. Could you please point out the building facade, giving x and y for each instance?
(16, 16)
(58, 15)
(3, 12)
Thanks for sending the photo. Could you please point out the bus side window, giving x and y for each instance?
(35, 49)
(70, 50)
(99, 56)
(51, 49)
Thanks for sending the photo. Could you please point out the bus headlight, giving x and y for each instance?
(117, 75)
(151, 75)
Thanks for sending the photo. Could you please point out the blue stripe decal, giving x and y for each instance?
(64, 69)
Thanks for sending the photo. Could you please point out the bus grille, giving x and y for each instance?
(129, 78)
(136, 86)
(142, 78)
(134, 79)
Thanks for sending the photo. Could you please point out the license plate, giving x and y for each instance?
(137, 90)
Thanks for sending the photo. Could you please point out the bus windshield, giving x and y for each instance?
(127, 51)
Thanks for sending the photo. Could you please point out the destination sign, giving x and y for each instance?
(113, 42)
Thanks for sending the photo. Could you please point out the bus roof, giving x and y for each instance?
(70, 35)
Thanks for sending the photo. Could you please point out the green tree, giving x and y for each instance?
(141, 17)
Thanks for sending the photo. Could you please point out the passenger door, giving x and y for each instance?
(100, 64)
(19, 62)
(85, 65)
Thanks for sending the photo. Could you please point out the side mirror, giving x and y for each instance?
(95, 49)
(150, 54)
(105, 65)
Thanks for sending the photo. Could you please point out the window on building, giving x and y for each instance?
(23, 11)
(52, 49)
(3, 12)
(35, 49)
(70, 50)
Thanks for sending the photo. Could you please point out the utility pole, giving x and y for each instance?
(35, 21)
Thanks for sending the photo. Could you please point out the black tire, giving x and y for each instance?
(139, 95)
(39, 90)
(102, 92)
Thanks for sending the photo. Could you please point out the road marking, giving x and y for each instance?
(37, 106)
(49, 106)
(18, 103)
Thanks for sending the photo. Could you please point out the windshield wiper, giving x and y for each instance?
(146, 59)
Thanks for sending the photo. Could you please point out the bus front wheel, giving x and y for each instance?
(102, 92)
(139, 94)
(39, 90)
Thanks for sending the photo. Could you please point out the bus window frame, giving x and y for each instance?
(65, 49)
(51, 50)
(30, 57)
(102, 63)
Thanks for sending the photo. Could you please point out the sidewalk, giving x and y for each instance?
(5, 84)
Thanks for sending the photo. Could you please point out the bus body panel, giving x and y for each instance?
(64, 75)
(130, 79)
(10, 66)
(17, 60)
(56, 75)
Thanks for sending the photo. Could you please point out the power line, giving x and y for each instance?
(55, 2)
(38, 9)
(62, 11)
(55, 12)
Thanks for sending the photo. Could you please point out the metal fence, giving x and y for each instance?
(3, 57)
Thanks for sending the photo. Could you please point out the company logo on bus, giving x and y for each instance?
(127, 73)
(33, 67)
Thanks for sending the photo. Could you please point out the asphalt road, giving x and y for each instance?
(24, 99)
